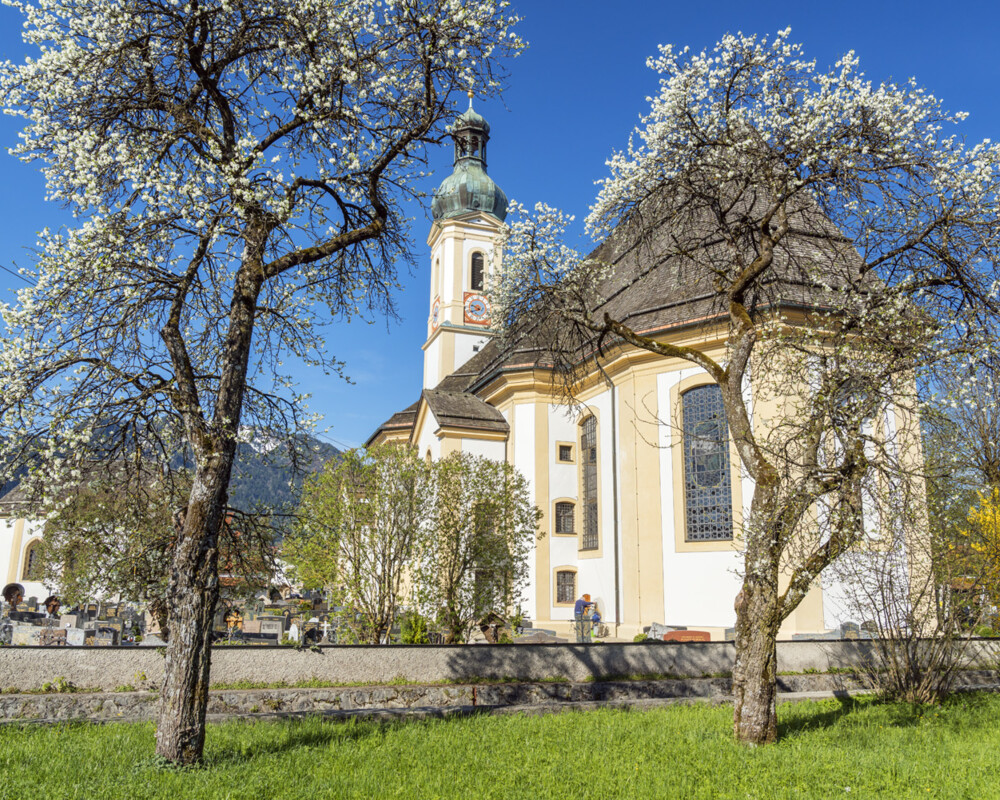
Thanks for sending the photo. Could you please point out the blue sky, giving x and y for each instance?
(573, 98)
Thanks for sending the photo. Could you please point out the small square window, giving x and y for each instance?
(566, 452)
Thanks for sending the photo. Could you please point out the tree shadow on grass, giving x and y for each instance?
(897, 713)
(825, 719)
(305, 733)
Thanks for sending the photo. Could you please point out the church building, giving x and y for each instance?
(636, 514)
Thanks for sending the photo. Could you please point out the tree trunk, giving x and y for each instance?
(755, 719)
(193, 590)
(191, 599)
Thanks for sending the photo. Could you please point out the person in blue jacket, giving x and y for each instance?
(580, 616)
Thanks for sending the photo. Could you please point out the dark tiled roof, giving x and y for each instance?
(654, 285)
(14, 501)
(463, 410)
(401, 421)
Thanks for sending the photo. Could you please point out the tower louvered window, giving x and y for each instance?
(588, 464)
(708, 504)
(477, 278)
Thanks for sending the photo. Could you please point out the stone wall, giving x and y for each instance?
(108, 668)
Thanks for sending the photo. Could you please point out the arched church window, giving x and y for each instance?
(477, 278)
(32, 563)
(588, 480)
(565, 586)
(565, 517)
(708, 504)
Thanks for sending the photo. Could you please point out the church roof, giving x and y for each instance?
(13, 501)
(468, 189)
(654, 289)
(463, 410)
(400, 422)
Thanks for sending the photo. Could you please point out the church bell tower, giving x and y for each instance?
(468, 210)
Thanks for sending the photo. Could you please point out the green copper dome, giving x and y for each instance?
(469, 188)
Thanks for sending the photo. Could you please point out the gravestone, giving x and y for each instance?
(75, 637)
(687, 636)
(104, 640)
(109, 632)
(52, 637)
(32, 604)
(251, 626)
(91, 610)
(29, 635)
(69, 621)
(272, 627)
(657, 630)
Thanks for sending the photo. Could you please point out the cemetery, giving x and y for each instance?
(263, 621)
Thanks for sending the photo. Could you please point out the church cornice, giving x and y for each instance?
(458, 227)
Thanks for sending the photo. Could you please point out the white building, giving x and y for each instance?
(644, 521)
(20, 537)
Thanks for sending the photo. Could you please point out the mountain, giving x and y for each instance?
(265, 474)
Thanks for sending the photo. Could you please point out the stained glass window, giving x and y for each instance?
(708, 503)
(565, 586)
(588, 458)
(32, 564)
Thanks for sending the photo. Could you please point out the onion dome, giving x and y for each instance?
(469, 188)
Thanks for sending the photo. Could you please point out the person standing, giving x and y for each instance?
(580, 610)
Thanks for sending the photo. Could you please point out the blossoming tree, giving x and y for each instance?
(840, 238)
(237, 169)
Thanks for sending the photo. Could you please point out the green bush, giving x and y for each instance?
(413, 628)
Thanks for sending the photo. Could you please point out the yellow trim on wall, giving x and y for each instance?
(541, 494)
(15, 551)
(641, 515)
(681, 542)
(468, 433)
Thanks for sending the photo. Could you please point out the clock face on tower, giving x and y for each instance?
(477, 309)
(436, 313)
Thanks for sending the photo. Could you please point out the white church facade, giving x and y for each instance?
(644, 522)
(20, 547)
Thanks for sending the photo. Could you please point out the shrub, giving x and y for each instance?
(413, 628)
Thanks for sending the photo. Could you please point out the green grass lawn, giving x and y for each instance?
(855, 749)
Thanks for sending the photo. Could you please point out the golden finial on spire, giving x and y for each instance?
(471, 95)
